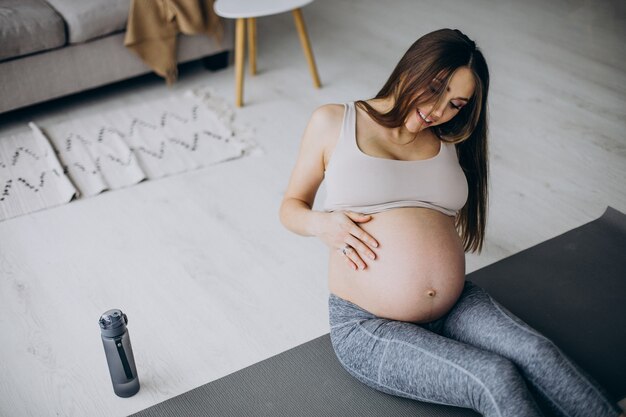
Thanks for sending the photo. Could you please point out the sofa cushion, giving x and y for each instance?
(89, 19)
(28, 26)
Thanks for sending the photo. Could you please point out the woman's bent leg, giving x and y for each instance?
(408, 360)
(478, 320)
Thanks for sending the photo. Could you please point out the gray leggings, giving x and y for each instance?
(477, 356)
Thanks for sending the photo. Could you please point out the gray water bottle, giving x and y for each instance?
(119, 353)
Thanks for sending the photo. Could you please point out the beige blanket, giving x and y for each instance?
(153, 26)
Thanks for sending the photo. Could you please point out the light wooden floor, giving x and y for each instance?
(210, 280)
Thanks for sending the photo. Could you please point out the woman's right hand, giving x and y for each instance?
(342, 232)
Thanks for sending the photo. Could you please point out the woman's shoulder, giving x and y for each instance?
(325, 123)
(328, 115)
(323, 130)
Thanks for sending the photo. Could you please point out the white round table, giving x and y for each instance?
(245, 12)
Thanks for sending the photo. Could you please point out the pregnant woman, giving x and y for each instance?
(406, 181)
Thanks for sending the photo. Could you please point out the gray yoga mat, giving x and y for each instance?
(572, 288)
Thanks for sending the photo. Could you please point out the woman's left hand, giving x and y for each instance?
(342, 230)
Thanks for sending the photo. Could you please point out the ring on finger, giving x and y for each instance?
(345, 249)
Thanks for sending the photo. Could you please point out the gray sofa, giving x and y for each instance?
(53, 48)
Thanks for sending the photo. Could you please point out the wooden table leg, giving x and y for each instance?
(240, 44)
(306, 46)
(252, 44)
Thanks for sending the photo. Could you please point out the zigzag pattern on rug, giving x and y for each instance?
(87, 156)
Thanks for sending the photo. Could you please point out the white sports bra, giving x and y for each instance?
(366, 184)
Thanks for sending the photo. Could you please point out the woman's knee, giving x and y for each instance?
(503, 391)
(536, 350)
(506, 373)
(497, 372)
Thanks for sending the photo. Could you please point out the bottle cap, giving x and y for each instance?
(113, 323)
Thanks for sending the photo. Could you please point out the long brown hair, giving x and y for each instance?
(422, 75)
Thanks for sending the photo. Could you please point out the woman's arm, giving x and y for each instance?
(335, 229)
(296, 212)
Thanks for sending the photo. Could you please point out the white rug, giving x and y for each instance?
(116, 149)
(31, 177)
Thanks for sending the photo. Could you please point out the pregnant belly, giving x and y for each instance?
(419, 271)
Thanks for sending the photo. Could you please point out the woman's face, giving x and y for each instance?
(458, 93)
